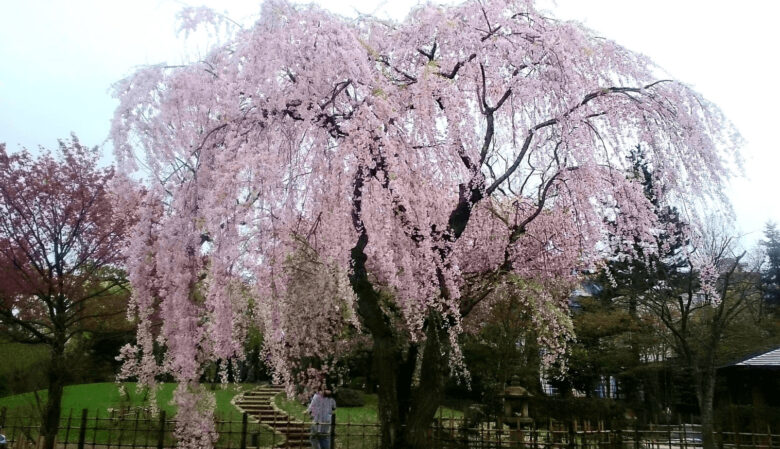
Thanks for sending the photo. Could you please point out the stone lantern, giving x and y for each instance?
(516, 414)
(516, 399)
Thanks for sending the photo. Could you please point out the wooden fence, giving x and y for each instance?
(137, 428)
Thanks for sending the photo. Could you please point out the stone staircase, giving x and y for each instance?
(258, 403)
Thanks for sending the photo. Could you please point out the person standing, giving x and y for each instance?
(321, 409)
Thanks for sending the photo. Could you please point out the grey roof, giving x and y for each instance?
(769, 358)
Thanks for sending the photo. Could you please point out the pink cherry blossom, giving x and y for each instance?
(315, 170)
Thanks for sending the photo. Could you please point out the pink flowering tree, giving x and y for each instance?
(62, 239)
(393, 180)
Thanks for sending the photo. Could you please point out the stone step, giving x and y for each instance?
(255, 405)
(297, 436)
(258, 404)
(291, 432)
(268, 416)
(259, 409)
(257, 398)
(262, 411)
(288, 426)
(254, 402)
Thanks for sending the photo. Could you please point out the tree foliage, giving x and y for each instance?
(429, 164)
(770, 273)
(61, 246)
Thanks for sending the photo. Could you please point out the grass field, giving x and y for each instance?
(366, 414)
(129, 423)
(97, 398)
(356, 427)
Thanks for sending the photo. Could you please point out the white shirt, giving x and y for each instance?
(321, 408)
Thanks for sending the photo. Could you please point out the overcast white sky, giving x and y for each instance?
(58, 59)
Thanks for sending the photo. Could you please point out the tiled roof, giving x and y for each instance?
(769, 358)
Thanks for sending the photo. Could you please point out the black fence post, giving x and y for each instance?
(333, 430)
(572, 443)
(2, 416)
(161, 436)
(636, 434)
(82, 429)
(244, 424)
(67, 428)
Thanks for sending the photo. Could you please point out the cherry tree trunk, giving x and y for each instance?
(429, 393)
(406, 411)
(386, 358)
(52, 410)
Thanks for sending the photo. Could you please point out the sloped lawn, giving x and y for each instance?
(112, 419)
(356, 427)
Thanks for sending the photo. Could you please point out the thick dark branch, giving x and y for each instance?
(468, 304)
(502, 100)
(411, 78)
(79, 329)
(367, 298)
(357, 207)
(337, 90)
(77, 306)
(610, 90)
(81, 318)
(76, 228)
(7, 317)
(513, 167)
(489, 111)
(24, 339)
(490, 33)
(485, 108)
(587, 99)
(489, 131)
(457, 67)
(206, 137)
(466, 159)
(27, 226)
(491, 30)
(430, 55)
(399, 210)
(520, 228)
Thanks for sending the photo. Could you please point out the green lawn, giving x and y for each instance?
(356, 427)
(97, 398)
(129, 423)
(366, 414)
